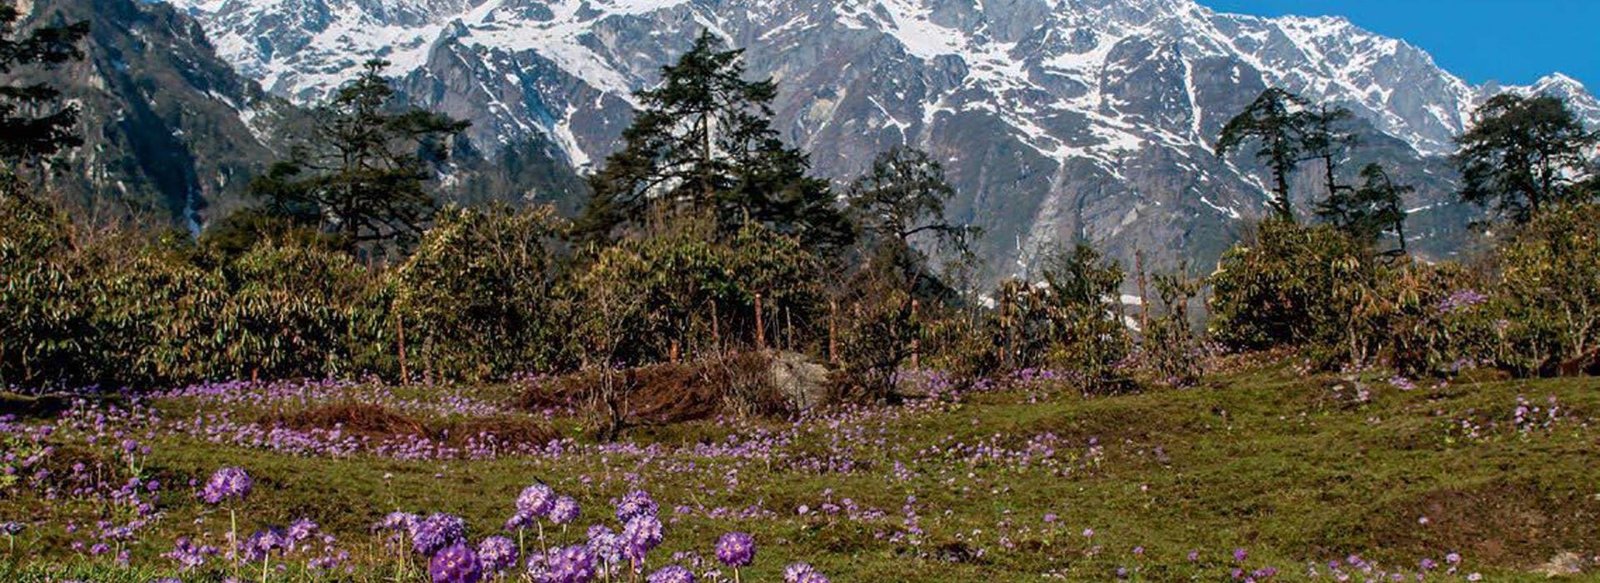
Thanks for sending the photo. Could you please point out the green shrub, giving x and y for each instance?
(696, 294)
(475, 298)
(1170, 347)
(1292, 286)
(1087, 333)
(1547, 302)
(1435, 320)
(288, 312)
(878, 337)
(158, 315)
(44, 318)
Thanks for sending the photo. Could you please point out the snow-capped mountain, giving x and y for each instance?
(1058, 119)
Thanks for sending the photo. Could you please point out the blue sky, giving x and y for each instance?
(1511, 41)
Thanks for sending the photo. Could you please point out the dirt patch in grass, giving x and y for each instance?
(1504, 523)
(738, 384)
(507, 430)
(359, 418)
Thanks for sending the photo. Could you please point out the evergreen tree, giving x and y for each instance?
(902, 197)
(25, 132)
(1522, 153)
(1372, 209)
(1325, 137)
(1274, 120)
(362, 173)
(703, 139)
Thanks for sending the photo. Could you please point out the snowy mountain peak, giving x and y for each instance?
(1560, 80)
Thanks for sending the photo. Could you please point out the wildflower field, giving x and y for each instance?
(1271, 474)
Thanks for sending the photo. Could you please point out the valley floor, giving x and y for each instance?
(1270, 474)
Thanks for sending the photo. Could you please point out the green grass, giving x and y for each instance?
(1271, 460)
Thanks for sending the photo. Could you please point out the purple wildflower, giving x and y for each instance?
(736, 549)
(300, 531)
(605, 544)
(671, 574)
(538, 567)
(639, 536)
(437, 531)
(520, 520)
(564, 510)
(574, 564)
(636, 503)
(261, 544)
(398, 521)
(497, 553)
(536, 500)
(225, 484)
(802, 573)
(189, 555)
(456, 563)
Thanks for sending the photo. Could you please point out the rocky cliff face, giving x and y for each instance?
(1058, 119)
(169, 127)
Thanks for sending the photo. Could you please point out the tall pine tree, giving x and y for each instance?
(362, 173)
(1274, 121)
(31, 124)
(703, 140)
(1326, 137)
(1370, 210)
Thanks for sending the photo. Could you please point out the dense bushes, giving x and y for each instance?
(1072, 321)
(1547, 304)
(1531, 308)
(476, 299)
(487, 293)
(686, 292)
(1290, 286)
(43, 321)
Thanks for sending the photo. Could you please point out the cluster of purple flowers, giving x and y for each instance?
(736, 549)
(437, 531)
(573, 564)
(636, 503)
(497, 553)
(1461, 300)
(802, 573)
(190, 555)
(540, 501)
(227, 484)
(456, 563)
(671, 574)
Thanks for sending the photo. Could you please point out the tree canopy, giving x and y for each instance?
(1273, 120)
(703, 139)
(31, 125)
(1523, 154)
(1370, 210)
(362, 171)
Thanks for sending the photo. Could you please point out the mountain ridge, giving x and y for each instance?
(1059, 120)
